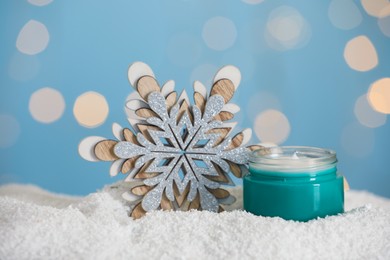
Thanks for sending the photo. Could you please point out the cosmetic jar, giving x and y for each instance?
(294, 183)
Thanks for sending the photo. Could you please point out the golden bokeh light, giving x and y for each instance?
(379, 95)
(90, 109)
(360, 54)
(376, 8)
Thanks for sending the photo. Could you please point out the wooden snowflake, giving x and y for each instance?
(176, 156)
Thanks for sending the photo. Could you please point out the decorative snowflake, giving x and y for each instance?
(178, 155)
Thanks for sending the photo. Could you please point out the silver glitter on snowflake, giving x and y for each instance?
(181, 152)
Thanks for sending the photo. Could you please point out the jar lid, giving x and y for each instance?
(292, 158)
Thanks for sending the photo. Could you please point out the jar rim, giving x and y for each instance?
(292, 158)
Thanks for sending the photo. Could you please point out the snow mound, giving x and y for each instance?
(36, 224)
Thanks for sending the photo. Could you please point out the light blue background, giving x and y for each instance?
(92, 42)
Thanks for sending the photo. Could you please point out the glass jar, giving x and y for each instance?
(294, 183)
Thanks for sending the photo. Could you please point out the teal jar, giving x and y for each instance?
(294, 183)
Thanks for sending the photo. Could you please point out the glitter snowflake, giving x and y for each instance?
(177, 156)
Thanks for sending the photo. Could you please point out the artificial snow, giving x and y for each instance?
(36, 224)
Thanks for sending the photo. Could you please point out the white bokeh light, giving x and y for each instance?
(272, 126)
(33, 38)
(40, 2)
(9, 130)
(357, 140)
(91, 109)
(384, 25)
(219, 33)
(253, 2)
(366, 115)
(344, 14)
(360, 54)
(47, 105)
(184, 49)
(287, 29)
(377, 8)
